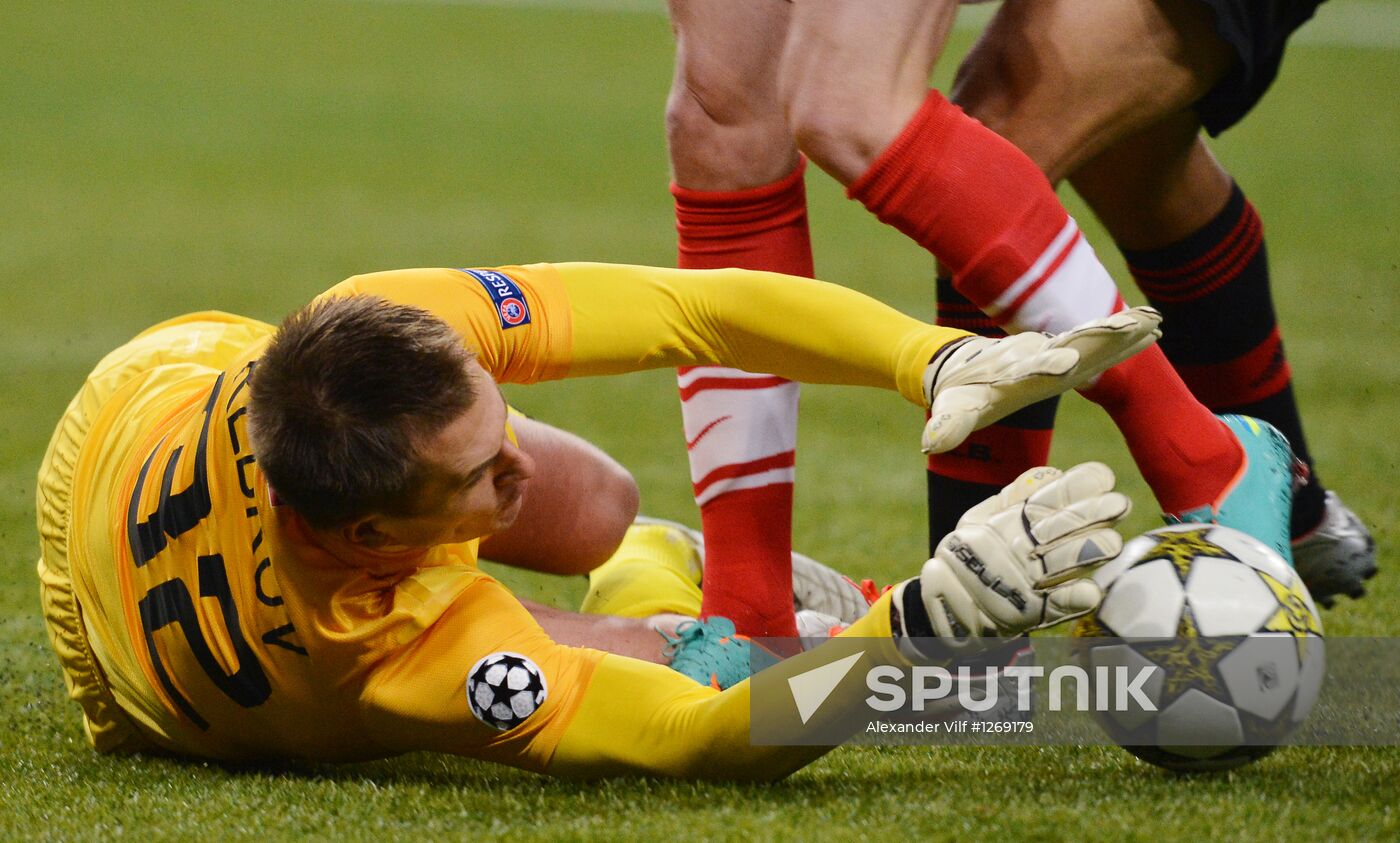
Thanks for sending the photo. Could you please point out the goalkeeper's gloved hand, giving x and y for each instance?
(1018, 561)
(975, 381)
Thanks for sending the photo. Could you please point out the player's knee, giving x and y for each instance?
(993, 84)
(1040, 105)
(619, 503)
(723, 138)
(690, 127)
(842, 131)
(826, 139)
(611, 507)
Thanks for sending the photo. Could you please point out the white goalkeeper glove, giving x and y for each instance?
(1020, 560)
(975, 381)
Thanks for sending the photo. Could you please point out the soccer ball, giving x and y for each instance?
(1234, 632)
(505, 688)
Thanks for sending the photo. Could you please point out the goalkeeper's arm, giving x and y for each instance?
(1017, 562)
(626, 318)
(597, 319)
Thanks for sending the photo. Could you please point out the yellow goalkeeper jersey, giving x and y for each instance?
(222, 629)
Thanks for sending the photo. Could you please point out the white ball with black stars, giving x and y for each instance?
(503, 689)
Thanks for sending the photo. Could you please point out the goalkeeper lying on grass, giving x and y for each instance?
(262, 544)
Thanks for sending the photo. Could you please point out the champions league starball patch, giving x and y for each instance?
(504, 689)
(506, 295)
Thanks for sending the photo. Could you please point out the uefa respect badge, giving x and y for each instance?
(506, 296)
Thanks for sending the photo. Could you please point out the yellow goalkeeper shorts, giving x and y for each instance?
(656, 570)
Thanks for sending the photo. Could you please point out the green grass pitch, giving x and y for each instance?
(161, 157)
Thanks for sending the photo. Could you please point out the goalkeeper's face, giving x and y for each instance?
(474, 476)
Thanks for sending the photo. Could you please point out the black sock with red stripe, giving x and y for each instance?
(1220, 331)
(991, 457)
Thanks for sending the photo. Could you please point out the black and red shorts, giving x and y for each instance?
(1257, 31)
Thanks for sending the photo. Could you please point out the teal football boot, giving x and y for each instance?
(1259, 500)
(713, 653)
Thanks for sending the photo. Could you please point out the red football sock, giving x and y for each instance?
(741, 428)
(991, 217)
(748, 560)
(1186, 455)
(762, 228)
(966, 194)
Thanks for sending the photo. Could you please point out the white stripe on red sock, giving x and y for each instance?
(1065, 286)
(740, 429)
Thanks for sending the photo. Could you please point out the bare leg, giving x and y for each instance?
(724, 120)
(1108, 106)
(1067, 79)
(1101, 92)
(854, 77)
(740, 201)
(1156, 186)
(1035, 59)
(854, 73)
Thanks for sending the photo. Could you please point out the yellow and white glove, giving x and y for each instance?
(976, 381)
(1020, 560)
